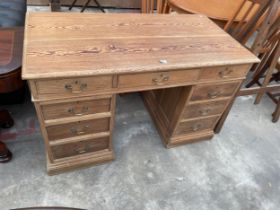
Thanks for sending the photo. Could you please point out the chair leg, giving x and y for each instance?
(260, 69)
(5, 154)
(85, 5)
(99, 6)
(268, 74)
(144, 6)
(73, 4)
(276, 113)
(6, 121)
(166, 8)
(160, 3)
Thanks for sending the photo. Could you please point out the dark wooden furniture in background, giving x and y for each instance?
(188, 86)
(266, 46)
(266, 73)
(249, 12)
(219, 11)
(11, 40)
(128, 4)
(5, 154)
(147, 6)
(12, 15)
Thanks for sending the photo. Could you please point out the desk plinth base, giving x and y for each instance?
(187, 139)
(82, 162)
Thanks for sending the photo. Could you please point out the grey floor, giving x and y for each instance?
(238, 169)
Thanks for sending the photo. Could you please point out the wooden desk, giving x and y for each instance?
(76, 63)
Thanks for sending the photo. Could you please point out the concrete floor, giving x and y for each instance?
(238, 169)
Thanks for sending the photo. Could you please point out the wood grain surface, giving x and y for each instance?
(11, 41)
(57, 44)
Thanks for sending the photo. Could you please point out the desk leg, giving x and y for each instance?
(89, 148)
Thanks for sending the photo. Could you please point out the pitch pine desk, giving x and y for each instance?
(188, 68)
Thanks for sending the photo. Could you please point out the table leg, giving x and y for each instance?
(276, 113)
(5, 154)
(6, 121)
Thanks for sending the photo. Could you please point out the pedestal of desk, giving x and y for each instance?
(189, 114)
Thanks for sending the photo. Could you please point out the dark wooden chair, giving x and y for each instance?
(268, 72)
(86, 5)
(220, 11)
(268, 24)
(249, 13)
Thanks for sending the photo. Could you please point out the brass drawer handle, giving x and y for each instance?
(80, 131)
(214, 94)
(225, 73)
(160, 81)
(197, 127)
(76, 87)
(81, 150)
(204, 112)
(83, 111)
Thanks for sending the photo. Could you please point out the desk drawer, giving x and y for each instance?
(206, 92)
(193, 126)
(73, 87)
(224, 72)
(204, 109)
(78, 128)
(75, 108)
(80, 148)
(157, 78)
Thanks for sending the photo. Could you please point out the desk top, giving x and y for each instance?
(75, 44)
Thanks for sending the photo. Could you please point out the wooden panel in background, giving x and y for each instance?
(108, 3)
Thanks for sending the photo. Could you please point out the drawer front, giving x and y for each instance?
(75, 108)
(206, 92)
(79, 148)
(158, 78)
(224, 72)
(193, 126)
(73, 87)
(204, 109)
(78, 128)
